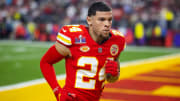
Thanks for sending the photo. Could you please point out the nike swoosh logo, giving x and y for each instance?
(63, 30)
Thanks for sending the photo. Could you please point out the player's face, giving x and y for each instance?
(101, 23)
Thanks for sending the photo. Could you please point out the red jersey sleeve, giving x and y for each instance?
(64, 36)
(67, 34)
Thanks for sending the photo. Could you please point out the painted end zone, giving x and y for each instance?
(147, 81)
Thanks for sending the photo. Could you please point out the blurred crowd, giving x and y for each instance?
(143, 22)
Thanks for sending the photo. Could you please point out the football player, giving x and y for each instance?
(91, 54)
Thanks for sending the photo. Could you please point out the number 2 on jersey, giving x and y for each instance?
(90, 74)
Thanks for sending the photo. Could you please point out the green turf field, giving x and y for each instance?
(19, 60)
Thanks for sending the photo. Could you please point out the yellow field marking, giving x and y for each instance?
(157, 79)
(173, 91)
(146, 66)
(39, 92)
(127, 91)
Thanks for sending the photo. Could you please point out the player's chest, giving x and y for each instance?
(93, 49)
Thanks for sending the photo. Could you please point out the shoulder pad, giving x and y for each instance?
(73, 28)
(64, 37)
(121, 36)
(67, 32)
(115, 32)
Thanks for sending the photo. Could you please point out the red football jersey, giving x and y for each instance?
(85, 72)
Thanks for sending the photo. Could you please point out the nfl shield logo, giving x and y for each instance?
(99, 50)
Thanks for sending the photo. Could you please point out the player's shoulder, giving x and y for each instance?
(72, 29)
(118, 38)
(117, 33)
(67, 33)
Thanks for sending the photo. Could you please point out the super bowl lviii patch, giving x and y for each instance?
(80, 39)
(114, 49)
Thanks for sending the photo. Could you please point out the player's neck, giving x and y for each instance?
(96, 38)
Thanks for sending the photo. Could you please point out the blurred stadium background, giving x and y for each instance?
(29, 27)
(143, 22)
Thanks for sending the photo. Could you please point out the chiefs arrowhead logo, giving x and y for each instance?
(84, 48)
(114, 49)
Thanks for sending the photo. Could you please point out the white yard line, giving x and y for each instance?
(151, 49)
(149, 60)
(28, 83)
(60, 77)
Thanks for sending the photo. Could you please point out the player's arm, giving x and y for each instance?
(63, 49)
(112, 70)
(54, 54)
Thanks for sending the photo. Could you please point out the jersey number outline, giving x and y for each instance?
(90, 74)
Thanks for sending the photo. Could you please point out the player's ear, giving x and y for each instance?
(89, 20)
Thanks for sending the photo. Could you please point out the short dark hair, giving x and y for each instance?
(98, 6)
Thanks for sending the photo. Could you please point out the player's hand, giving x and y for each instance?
(111, 68)
(57, 92)
(64, 95)
(67, 96)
